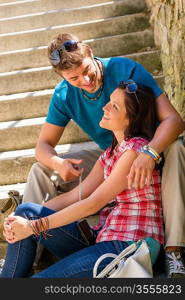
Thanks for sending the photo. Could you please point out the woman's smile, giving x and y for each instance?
(105, 117)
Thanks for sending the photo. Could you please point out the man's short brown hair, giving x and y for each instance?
(68, 59)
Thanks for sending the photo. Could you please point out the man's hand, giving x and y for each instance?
(141, 171)
(16, 228)
(69, 168)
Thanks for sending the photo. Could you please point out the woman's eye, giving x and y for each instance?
(115, 107)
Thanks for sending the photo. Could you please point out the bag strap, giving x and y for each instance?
(15, 197)
(127, 251)
(99, 260)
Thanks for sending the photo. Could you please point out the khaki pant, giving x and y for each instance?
(43, 184)
(173, 193)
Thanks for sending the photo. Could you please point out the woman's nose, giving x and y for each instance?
(106, 107)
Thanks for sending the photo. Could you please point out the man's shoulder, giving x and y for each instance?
(117, 61)
(62, 85)
(61, 90)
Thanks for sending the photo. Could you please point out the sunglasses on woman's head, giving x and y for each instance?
(130, 86)
(69, 46)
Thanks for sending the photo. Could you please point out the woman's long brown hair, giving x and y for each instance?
(141, 112)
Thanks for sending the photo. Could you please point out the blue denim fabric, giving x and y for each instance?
(76, 258)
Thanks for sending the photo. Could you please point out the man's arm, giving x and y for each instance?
(171, 125)
(46, 154)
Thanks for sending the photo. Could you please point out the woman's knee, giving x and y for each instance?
(25, 209)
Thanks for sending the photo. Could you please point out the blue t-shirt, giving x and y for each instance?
(69, 103)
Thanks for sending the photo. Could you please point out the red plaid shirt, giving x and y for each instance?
(137, 213)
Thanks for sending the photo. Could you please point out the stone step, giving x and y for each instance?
(149, 59)
(17, 8)
(15, 165)
(23, 134)
(34, 58)
(4, 189)
(27, 80)
(8, 2)
(84, 30)
(35, 104)
(73, 15)
(45, 78)
(5, 1)
(25, 105)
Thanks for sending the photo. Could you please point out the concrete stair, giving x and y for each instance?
(40, 78)
(29, 129)
(15, 165)
(111, 28)
(17, 58)
(18, 8)
(84, 30)
(68, 16)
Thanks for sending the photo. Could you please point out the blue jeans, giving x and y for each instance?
(76, 258)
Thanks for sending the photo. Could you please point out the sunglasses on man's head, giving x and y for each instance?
(69, 46)
(130, 86)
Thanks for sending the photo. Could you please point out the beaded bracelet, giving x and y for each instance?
(150, 151)
(35, 232)
(39, 227)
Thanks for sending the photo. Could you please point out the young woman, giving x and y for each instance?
(128, 213)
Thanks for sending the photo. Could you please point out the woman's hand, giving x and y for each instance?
(141, 171)
(16, 228)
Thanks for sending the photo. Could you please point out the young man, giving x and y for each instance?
(86, 88)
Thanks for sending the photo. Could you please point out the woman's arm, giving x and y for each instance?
(106, 191)
(88, 186)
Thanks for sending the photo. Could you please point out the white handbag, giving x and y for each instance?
(133, 262)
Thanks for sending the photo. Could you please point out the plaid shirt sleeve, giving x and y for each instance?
(135, 144)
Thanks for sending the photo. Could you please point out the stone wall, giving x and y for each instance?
(168, 19)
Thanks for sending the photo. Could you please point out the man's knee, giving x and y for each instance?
(36, 167)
